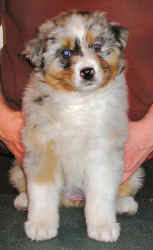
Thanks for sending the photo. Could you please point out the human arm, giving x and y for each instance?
(11, 123)
(139, 144)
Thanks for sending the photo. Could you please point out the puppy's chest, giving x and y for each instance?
(77, 122)
(75, 128)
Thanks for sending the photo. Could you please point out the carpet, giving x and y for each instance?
(136, 231)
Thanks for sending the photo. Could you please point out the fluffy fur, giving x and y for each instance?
(75, 110)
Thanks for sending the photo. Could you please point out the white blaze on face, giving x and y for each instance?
(76, 26)
(87, 61)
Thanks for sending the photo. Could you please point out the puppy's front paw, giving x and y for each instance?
(40, 230)
(107, 232)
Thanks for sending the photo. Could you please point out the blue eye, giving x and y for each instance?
(97, 46)
(66, 52)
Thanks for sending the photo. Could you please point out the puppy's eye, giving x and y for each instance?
(66, 53)
(97, 47)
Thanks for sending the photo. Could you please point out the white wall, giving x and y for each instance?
(1, 37)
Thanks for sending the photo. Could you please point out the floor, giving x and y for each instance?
(136, 233)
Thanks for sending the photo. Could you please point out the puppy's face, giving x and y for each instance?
(78, 51)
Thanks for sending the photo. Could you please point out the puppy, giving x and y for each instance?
(76, 125)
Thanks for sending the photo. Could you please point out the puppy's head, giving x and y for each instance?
(78, 51)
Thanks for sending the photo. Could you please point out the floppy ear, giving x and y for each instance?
(35, 48)
(121, 34)
(33, 52)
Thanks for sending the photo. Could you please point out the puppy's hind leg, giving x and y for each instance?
(43, 190)
(18, 180)
(126, 203)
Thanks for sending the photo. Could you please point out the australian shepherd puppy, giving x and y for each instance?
(76, 125)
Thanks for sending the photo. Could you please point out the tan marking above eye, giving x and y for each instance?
(68, 43)
(90, 37)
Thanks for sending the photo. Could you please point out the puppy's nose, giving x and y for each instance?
(87, 73)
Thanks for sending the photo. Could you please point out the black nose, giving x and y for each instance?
(87, 73)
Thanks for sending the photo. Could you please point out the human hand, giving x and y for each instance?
(11, 123)
(139, 144)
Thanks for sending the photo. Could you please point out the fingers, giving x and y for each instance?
(18, 144)
(17, 150)
(11, 124)
(19, 153)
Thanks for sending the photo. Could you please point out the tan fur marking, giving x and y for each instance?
(60, 80)
(32, 135)
(105, 67)
(47, 166)
(45, 173)
(110, 66)
(72, 203)
(90, 37)
(125, 190)
(113, 61)
(68, 43)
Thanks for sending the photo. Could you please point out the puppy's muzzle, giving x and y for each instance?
(87, 73)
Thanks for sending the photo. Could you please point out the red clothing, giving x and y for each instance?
(21, 18)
